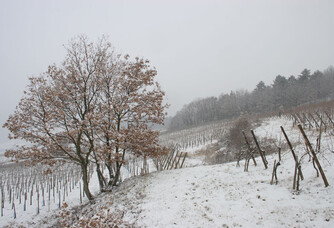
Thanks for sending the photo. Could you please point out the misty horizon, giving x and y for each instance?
(200, 49)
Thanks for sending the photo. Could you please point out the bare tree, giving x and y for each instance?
(130, 101)
(236, 139)
(71, 113)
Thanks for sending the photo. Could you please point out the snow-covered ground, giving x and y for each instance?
(223, 195)
(226, 196)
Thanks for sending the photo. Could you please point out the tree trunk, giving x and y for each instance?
(102, 181)
(111, 172)
(117, 174)
(118, 168)
(85, 181)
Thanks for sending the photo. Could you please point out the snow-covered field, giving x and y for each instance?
(226, 196)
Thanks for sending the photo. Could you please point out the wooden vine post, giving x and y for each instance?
(314, 155)
(178, 160)
(292, 151)
(330, 119)
(169, 159)
(184, 158)
(274, 174)
(301, 120)
(173, 160)
(321, 121)
(260, 151)
(295, 178)
(310, 124)
(295, 119)
(315, 121)
(249, 153)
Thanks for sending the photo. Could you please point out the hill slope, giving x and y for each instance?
(222, 195)
(226, 196)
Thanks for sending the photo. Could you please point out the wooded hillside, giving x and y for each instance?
(283, 93)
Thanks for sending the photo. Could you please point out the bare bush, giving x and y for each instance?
(234, 142)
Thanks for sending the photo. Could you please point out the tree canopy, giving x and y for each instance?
(93, 108)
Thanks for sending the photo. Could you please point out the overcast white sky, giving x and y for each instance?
(200, 48)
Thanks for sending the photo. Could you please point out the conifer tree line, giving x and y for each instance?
(283, 93)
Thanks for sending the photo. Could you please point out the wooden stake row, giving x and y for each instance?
(298, 174)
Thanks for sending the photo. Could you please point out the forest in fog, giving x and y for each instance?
(283, 93)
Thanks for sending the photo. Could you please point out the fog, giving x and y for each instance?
(200, 48)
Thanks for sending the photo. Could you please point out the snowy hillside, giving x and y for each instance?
(224, 195)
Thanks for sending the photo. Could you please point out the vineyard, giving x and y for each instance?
(34, 190)
(285, 188)
(304, 137)
(197, 136)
